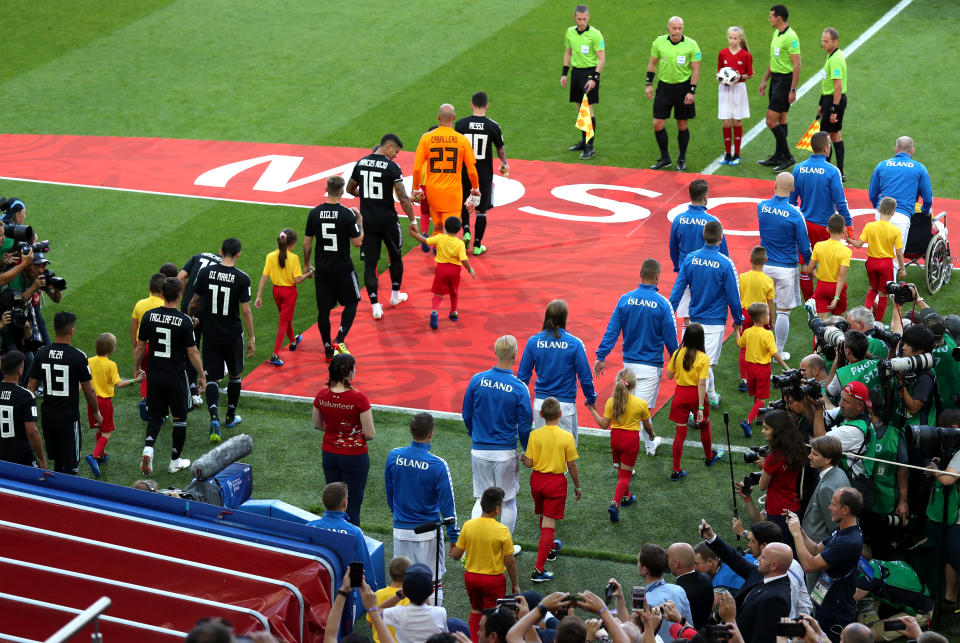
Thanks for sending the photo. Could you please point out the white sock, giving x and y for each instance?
(711, 385)
(477, 510)
(781, 328)
(508, 514)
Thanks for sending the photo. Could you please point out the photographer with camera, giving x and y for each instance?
(891, 589)
(852, 425)
(571, 629)
(860, 318)
(946, 366)
(854, 366)
(943, 516)
(914, 384)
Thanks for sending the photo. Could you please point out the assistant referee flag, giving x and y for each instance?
(584, 123)
(804, 142)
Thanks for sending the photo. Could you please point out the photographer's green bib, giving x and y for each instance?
(947, 370)
(885, 474)
(863, 371)
(935, 506)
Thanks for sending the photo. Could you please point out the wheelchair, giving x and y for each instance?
(927, 242)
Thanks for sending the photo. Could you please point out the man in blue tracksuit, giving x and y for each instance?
(906, 181)
(559, 359)
(784, 235)
(686, 235)
(818, 187)
(645, 318)
(714, 287)
(419, 490)
(496, 410)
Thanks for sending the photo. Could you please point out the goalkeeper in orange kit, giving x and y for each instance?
(436, 168)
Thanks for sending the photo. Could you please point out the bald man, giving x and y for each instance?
(764, 605)
(783, 232)
(436, 168)
(699, 587)
(906, 181)
(675, 58)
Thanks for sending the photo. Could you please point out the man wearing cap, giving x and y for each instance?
(418, 621)
(419, 490)
(852, 425)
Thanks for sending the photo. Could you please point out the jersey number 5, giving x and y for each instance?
(329, 233)
(56, 377)
(444, 155)
(479, 144)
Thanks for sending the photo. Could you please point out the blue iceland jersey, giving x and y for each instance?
(645, 318)
(818, 188)
(336, 521)
(903, 179)
(496, 409)
(559, 362)
(686, 234)
(783, 232)
(419, 488)
(714, 287)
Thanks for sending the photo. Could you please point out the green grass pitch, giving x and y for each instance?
(314, 73)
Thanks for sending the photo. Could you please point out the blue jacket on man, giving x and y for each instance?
(783, 232)
(714, 287)
(419, 488)
(686, 234)
(559, 362)
(336, 521)
(819, 189)
(646, 320)
(903, 179)
(496, 409)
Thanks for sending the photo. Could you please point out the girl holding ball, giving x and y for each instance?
(732, 99)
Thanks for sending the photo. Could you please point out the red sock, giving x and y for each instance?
(757, 404)
(806, 286)
(881, 308)
(546, 544)
(436, 302)
(737, 135)
(727, 135)
(102, 439)
(278, 342)
(678, 439)
(870, 299)
(623, 484)
(475, 626)
(706, 438)
(743, 363)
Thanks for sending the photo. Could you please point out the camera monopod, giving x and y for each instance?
(438, 527)
(733, 489)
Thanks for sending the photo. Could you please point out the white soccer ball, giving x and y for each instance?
(728, 76)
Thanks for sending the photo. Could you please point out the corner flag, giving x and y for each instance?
(583, 119)
(804, 142)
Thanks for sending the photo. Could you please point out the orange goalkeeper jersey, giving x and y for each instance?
(440, 153)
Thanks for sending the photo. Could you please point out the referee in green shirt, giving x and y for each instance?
(833, 90)
(584, 50)
(676, 59)
(783, 73)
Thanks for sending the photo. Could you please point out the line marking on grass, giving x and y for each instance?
(448, 415)
(813, 80)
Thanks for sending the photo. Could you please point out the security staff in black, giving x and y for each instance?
(337, 228)
(484, 134)
(221, 296)
(375, 179)
(169, 334)
(19, 438)
(187, 276)
(64, 371)
(585, 51)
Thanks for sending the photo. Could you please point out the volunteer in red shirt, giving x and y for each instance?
(343, 414)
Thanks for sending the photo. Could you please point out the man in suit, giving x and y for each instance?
(825, 453)
(760, 608)
(698, 587)
(760, 536)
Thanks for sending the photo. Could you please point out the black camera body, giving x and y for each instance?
(13, 301)
(792, 381)
(24, 247)
(828, 336)
(931, 438)
(749, 481)
(755, 454)
(53, 280)
(888, 337)
(901, 291)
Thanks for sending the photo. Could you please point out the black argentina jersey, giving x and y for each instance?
(17, 406)
(332, 226)
(376, 175)
(484, 134)
(222, 289)
(60, 368)
(194, 265)
(169, 333)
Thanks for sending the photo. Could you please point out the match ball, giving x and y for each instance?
(728, 76)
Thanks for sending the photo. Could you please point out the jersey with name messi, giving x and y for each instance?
(782, 46)
(332, 225)
(169, 333)
(674, 58)
(584, 46)
(484, 134)
(222, 289)
(376, 175)
(835, 68)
